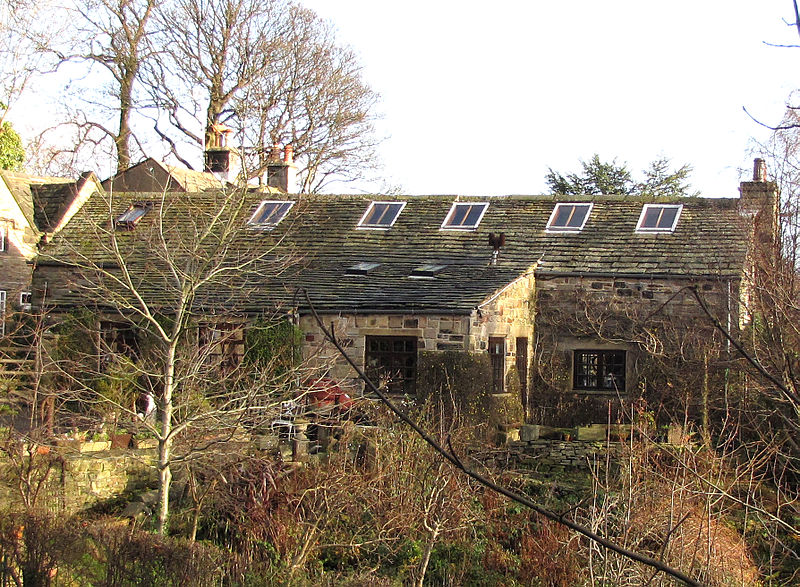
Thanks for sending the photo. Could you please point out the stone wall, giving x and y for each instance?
(556, 456)
(506, 314)
(78, 481)
(669, 343)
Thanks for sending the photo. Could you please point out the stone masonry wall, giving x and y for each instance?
(78, 481)
(506, 314)
(554, 456)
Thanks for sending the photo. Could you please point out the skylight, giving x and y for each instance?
(465, 215)
(362, 268)
(427, 271)
(659, 217)
(381, 214)
(568, 217)
(131, 217)
(269, 213)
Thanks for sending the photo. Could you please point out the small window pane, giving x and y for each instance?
(569, 217)
(381, 214)
(269, 214)
(465, 216)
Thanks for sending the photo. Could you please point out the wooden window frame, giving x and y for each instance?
(405, 359)
(497, 357)
(608, 376)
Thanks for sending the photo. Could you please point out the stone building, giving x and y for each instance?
(32, 208)
(569, 293)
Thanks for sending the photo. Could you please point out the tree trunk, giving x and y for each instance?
(165, 441)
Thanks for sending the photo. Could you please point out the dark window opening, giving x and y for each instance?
(391, 362)
(522, 369)
(118, 338)
(599, 370)
(222, 345)
(497, 357)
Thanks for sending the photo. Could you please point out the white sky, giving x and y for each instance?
(483, 97)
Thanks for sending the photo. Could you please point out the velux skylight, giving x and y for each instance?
(427, 271)
(465, 215)
(131, 217)
(362, 268)
(568, 217)
(269, 213)
(381, 214)
(659, 217)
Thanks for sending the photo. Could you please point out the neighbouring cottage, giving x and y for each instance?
(32, 208)
(570, 295)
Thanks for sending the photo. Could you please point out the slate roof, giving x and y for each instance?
(709, 241)
(42, 200)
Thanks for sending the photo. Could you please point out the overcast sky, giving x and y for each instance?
(483, 97)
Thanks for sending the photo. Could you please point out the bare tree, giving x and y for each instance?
(271, 70)
(162, 289)
(116, 37)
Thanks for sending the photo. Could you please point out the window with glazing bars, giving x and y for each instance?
(381, 214)
(599, 370)
(568, 217)
(464, 215)
(391, 361)
(270, 213)
(659, 217)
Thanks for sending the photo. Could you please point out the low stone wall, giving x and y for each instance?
(557, 456)
(78, 481)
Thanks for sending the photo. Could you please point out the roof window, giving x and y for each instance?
(131, 217)
(362, 268)
(269, 213)
(381, 215)
(464, 216)
(568, 217)
(427, 271)
(659, 217)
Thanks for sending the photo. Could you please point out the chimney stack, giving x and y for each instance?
(282, 174)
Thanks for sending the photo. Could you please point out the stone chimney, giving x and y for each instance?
(759, 200)
(282, 174)
(220, 159)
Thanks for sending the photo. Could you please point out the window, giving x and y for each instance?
(3, 237)
(427, 271)
(659, 217)
(464, 216)
(25, 300)
(381, 215)
(597, 370)
(118, 338)
(2, 312)
(361, 268)
(391, 361)
(522, 369)
(131, 217)
(497, 357)
(221, 344)
(270, 213)
(568, 217)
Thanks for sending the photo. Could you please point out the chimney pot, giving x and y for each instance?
(275, 153)
(759, 170)
(288, 154)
